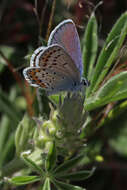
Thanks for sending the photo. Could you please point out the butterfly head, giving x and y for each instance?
(78, 86)
(81, 85)
(85, 82)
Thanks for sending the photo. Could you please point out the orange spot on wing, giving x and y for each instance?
(43, 85)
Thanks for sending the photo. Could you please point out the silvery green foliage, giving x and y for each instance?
(71, 117)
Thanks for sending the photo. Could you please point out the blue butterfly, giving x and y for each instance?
(58, 67)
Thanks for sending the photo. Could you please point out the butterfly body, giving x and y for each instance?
(57, 67)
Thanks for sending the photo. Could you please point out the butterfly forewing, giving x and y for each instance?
(65, 35)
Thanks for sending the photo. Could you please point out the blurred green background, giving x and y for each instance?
(19, 37)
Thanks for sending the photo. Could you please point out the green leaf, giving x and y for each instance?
(6, 106)
(4, 130)
(69, 164)
(32, 164)
(114, 113)
(7, 51)
(119, 143)
(118, 137)
(114, 89)
(21, 103)
(22, 180)
(65, 186)
(90, 45)
(55, 98)
(15, 165)
(109, 52)
(77, 176)
(1, 67)
(24, 134)
(46, 185)
(8, 147)
(51, 157)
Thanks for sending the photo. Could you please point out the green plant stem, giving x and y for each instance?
(50, 19)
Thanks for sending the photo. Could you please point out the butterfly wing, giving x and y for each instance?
(55, 57)
(34, 55)
(52, 83)
(55, 70)
(65, 35)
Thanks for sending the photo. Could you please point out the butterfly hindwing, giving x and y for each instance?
(34, 55)
(55, 57)
(53, 70)
(50, 80)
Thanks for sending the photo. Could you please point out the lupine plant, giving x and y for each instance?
(50, 147)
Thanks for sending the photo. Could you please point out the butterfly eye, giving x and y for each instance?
(85, 82)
